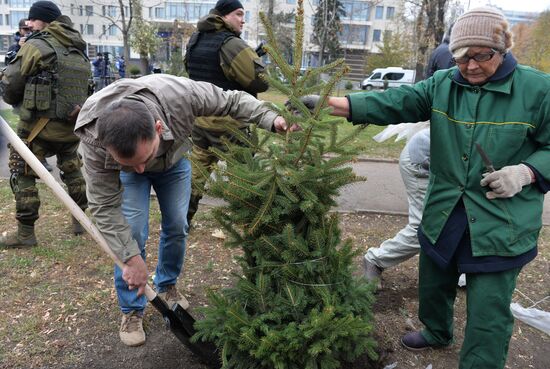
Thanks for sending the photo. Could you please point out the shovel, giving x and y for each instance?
(178, 319)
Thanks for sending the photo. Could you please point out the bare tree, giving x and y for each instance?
(429, 29)
(120, 16)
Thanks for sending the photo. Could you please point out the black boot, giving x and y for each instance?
(77, 227)
(23, 237)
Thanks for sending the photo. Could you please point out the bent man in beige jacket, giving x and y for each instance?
(134, 135)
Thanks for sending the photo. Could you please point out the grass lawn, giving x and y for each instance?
(10, 117)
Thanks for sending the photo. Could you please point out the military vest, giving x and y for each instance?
(56, 91)
(203, 59)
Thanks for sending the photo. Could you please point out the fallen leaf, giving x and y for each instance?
(218, 233)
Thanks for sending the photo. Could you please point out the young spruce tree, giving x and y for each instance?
(296, 304)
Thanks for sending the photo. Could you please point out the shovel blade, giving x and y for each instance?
(181, 323)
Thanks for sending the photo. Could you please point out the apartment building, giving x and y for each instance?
(363, 26)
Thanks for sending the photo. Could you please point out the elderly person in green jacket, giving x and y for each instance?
(476, 221)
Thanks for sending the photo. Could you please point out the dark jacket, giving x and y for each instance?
(441, 58)
(35, 56)
(13, 49)
(238, 64)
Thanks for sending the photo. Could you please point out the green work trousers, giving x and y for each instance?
(489, 321)
(23, 178)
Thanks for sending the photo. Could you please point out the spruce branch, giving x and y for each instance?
(298, 44)
(268, 200)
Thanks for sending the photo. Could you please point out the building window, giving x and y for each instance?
(20, 3)
(291, 1)
(354, 34)
(376, 35)
(112, 30)
(379, 12)
(247, 16)
(104, 10)
(89, 10)
(159, 13)
(89, 29)
(390, 12)
(81, 10)
(81, 29)
(72, 9)
(1, 20)
(387, 35)
(246, 35)
(104, 30)
(112, 11)
(356, 10)
(15, 17)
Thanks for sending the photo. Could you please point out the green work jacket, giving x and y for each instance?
(509, 118)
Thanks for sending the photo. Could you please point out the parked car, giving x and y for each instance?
(396, 77)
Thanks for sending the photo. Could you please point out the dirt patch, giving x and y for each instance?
(59, 308)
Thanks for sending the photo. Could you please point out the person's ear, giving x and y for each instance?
(158, 126)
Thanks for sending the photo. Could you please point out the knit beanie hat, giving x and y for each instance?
(45, 11)
(227, 6)
(482, 27)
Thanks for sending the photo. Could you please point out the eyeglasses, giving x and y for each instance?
(480, 58)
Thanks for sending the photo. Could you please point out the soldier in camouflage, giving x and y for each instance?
(48, 82)
(217, 54)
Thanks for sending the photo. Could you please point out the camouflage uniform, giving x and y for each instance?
(47, 80)
(234, 66)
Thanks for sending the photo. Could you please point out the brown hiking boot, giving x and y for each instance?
(23, 237)
(77, 227)
(131, 329)
(171, 296)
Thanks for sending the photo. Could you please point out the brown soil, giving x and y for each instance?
(70, 315)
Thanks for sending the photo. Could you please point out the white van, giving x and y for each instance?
(396, 77)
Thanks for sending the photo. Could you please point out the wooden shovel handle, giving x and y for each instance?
(62, 195)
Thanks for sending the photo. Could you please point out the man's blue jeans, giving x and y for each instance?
(173, 188)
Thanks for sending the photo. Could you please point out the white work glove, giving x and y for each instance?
(507, 181)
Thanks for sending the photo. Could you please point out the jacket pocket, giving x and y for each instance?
(29, 96)
(505, 142)
(43, 96)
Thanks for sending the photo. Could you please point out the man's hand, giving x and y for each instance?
(507, 181)
(134, 274)
(281, 126)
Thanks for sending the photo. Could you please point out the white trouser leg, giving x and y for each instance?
(404, 244)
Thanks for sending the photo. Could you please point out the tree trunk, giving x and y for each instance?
(144, 61)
